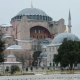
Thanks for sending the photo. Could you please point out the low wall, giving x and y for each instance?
(43, 77)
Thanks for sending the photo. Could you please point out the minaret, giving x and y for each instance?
(69, 22)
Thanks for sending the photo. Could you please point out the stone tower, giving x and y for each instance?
(69, 22)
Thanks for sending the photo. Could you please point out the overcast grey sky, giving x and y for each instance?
(55, 8)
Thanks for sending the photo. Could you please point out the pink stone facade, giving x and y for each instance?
(11, 60)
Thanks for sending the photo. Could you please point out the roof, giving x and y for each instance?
(32, 11)
(54, 45)
(7, 36)
(6, 25)
(12, 62)
(15, 47)
(60, 37)
(23, 40)
(44, 46)
(11, 56)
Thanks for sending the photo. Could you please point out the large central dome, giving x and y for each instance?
(32, 11)
(32, 14)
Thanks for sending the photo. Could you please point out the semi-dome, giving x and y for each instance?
(32, 11)
(11, 56)
(60, 37)
(33, 14)
(14, 47)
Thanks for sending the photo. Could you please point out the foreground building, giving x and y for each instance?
(10, 60)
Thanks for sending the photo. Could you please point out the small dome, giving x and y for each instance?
(11, 56)
(15, 47)
(43, 55)
(32, 11)
(60, 37)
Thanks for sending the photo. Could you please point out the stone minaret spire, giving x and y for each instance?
(69, 22)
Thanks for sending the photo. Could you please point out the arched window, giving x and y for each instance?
(39, 31)
(48, 36)
(40, 17)
(40, 36)
(33, 16)
(43, 17)
(46, 18)
(20, 17)
(35, 31)
(37, 36)
(28, 16)
(37, 17)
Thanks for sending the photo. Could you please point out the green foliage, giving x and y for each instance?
(14, 68)
(68, 53)
(36, 54)
(2, 48)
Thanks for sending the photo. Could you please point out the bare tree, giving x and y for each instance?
(21, 57)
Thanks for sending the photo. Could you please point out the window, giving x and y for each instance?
(8, 41)
(56, 64)
(6, 28)
(33, 36)
(44, 37)
(39, 31)
(44, 32)
(40, 36)
(43, 17)
(53, 49)
(35, 31)
(37, 36)
(33, 16)
(50, 49)
(37, 17)
(40, 17)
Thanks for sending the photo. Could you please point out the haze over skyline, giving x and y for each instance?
(56, 9)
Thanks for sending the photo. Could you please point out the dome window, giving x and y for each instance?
(46, 18)
(28, 16)
(33, 16)
(37, 17)
(20, 16)
(43, 17)
(40, 17)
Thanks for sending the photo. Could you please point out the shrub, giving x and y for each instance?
(14, 68)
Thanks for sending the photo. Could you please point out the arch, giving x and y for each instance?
(39, 32)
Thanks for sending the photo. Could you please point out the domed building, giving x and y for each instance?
(32, 27)
(9, 61)
(56, 42)
(33, 23)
